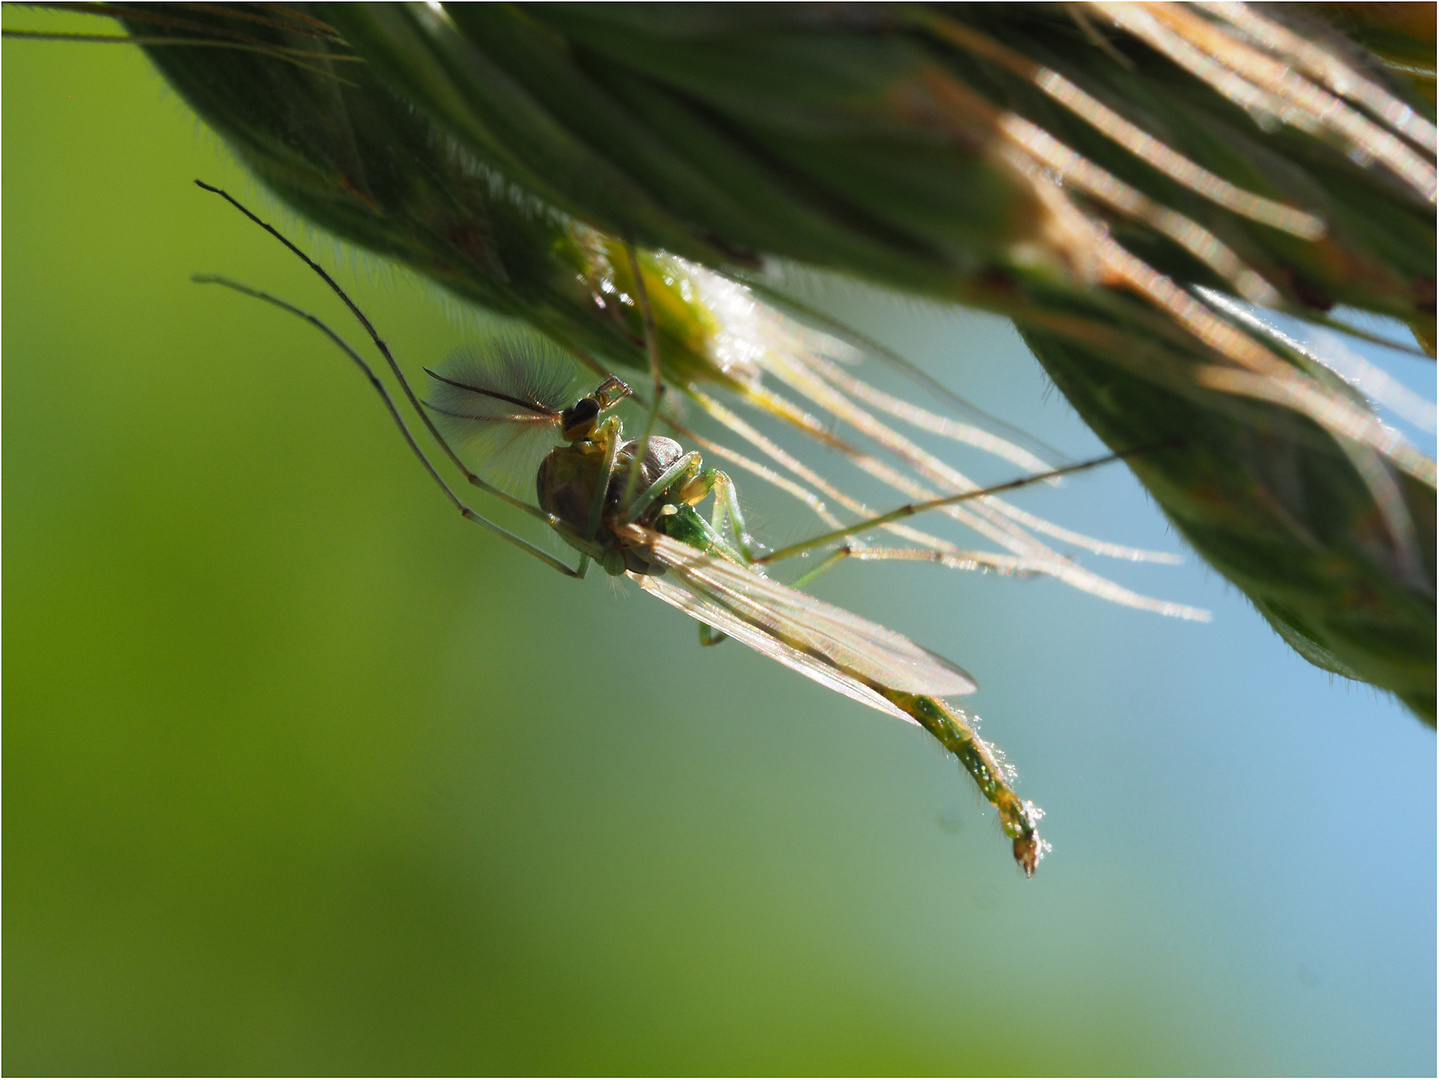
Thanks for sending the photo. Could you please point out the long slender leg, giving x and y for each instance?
(369, 372)
(910, 509)
(702, 483)
(652, 352)
(868, 554)
(719, 519)
(609, 435)
(725, 513)
(726, 508)
(833, 559)
(477, 481)
(683, 468)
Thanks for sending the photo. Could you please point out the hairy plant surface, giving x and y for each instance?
(1111, 177)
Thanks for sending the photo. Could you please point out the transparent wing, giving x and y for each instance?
(672, 592)
(827, 643)
(498, 405)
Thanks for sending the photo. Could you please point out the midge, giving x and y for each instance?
(632, 507)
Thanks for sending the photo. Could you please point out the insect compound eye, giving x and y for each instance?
(578, 421)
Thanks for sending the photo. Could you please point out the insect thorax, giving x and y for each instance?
(565, 486)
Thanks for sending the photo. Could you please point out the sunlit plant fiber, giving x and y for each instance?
(1105, 175)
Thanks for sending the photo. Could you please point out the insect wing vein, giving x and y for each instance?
(712, 614)
(808, 626)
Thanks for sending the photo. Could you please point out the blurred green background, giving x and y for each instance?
(304, 774)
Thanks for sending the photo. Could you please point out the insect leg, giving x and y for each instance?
(608, 434)
(726, 508)
(369, 372)
(910, 509)
(384, 349)
(685, 467)
(831, 560)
